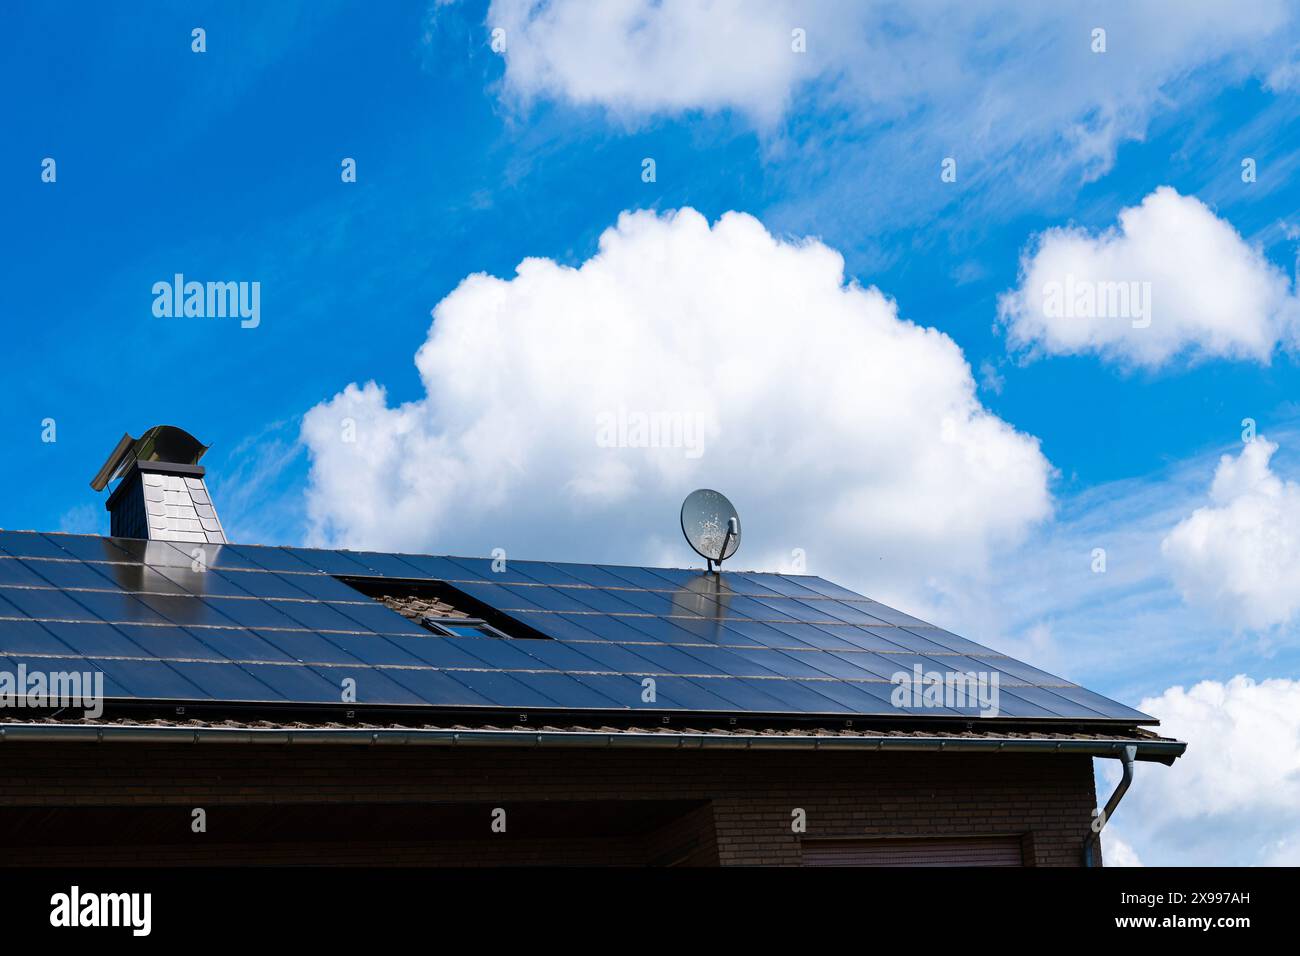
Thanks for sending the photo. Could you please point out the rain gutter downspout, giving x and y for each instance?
(1129, 758)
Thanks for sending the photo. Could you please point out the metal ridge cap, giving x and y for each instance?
(1161, 750)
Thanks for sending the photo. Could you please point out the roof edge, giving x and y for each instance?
(1161, 751)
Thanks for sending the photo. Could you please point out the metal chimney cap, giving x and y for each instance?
(164, 443)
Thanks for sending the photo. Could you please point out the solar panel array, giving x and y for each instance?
(239, 623)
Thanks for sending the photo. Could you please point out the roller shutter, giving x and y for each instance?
(1002, 850)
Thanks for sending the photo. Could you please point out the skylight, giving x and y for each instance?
(460, 627)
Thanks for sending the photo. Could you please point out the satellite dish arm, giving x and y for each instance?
(732, 530)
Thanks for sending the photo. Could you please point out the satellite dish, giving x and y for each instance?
(711, 525)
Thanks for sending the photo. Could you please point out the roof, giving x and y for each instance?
(275, 630)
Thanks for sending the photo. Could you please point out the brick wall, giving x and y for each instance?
(740, 802)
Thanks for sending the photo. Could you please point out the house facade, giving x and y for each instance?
(173, 698)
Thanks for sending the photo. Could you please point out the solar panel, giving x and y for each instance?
(1102, 705)
(1019, 705)
(562, 657)
(226, 682)
(375, 617)
(167, 643)
(322, 587)
(723, 661)
(14, 571)
(307, 647)
(568, 692)
(804, 697)
(485, 569)
(812, 635)
(438, 689)
(374, 686)
(618, 658)
(825, 588)
(855, 698)
(29, 637)
(544, 574)
(90, 639)
(29, 544)
(442, 569)
(886, 639)
(784, 663)
(251, 613)
(149, 680)
(329, 562)
(139, 577)
(89, 548)
(199, 557)
(654, 629)
(755, 634)
(44, 603)
(499, 687)
(750, 696)
(68, 574)
(240, 645)
(639, 578)
(268, 559)
(496, 595)
(317, 615)
(297, 683)
(373, 649)
(263, 584)
(254, 624)
(671, 660)
(777, 584)
(692, 694)
(386, 565)
(598, 599)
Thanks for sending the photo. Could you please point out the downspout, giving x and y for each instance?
(1094, 837)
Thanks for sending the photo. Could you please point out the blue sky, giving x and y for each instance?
(226, 165)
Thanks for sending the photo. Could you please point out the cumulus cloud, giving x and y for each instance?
(1234, 797)
(1244, 747)
(1170, 280)
(1240, 555)
(1116, 852)
(567, 411)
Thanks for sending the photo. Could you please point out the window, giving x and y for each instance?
(460, 627)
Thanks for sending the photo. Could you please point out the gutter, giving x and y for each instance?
(1094, 837)
(1162, 751)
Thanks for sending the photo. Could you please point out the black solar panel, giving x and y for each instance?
(254, 624)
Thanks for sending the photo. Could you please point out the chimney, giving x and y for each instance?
(161, 495)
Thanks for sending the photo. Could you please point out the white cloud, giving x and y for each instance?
(1121, 627)
(1234, 797)
(641, 57)
(638, 57)
(834, 425)
(1244, 747)
(84, 519)
(1011, 90)
(1285, 78)
(1240, 555)
(1171, 280)
(1116, 852)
